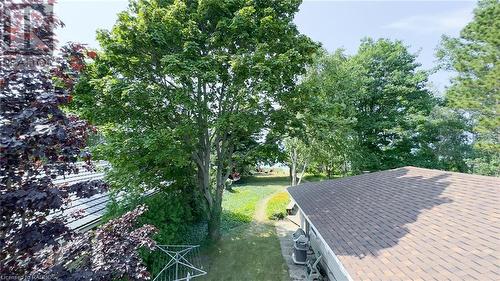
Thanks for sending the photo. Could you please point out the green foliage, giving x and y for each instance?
(392, 94)
(315, 177)
(329, 98)
(475, 90)
(180, 86)
(444, 141)
(373, 111)
(247, 154)
(168, 212)
(276, 206)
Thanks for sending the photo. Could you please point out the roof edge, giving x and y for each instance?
(342, 271)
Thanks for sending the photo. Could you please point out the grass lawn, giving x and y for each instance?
(249, 248)
(239, 205)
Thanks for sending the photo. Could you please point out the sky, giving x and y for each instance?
(333, 23)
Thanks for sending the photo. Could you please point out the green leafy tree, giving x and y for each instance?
(179, 82)
(330, 95)
(475, 89)
(374, 111)
(392, 92)
(444, 138)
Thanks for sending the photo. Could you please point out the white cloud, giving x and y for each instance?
(451, 21)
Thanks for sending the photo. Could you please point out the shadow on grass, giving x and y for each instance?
(263, 180)
(232, 220)
(247, 250)
(246, 253)
(231, 190)
(241, 240)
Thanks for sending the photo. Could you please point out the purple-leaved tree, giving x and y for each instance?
(39, 142)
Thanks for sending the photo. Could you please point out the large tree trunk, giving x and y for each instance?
(223, 166)
(213, 199)
(210, 139)
(214, 223)
(204, 184)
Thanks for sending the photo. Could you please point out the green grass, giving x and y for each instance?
(248, 253)
(319, 177)
(263, 180)
(276, 207)
(239, 205)
(248, 250)
(314, 178)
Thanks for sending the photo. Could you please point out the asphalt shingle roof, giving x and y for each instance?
(409, 223)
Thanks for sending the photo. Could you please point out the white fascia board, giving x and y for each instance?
(340, 273)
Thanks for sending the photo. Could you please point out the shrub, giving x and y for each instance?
(109, 253)
(169, 212)
(172, 213)
(276, 207)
